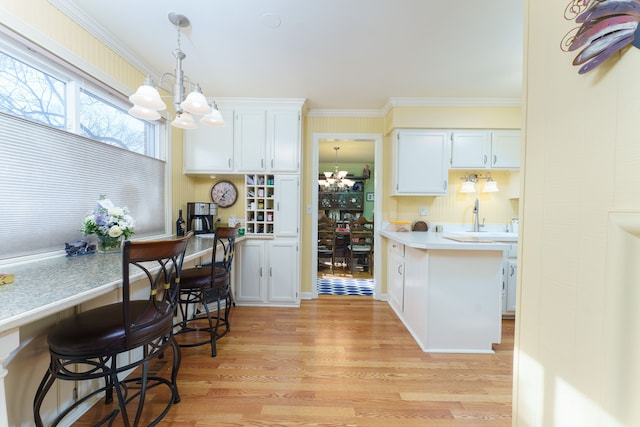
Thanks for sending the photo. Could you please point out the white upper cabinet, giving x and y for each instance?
(260, 136)
(505, 149)
(268, 140)
(485, 149)
(287, 206)
(209, 149)
(420, 162)
(250, 137)
(470, 149)
(283, 141)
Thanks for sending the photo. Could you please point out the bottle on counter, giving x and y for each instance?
(180, 224)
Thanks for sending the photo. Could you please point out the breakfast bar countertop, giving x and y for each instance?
(46, 286)
(444, 241)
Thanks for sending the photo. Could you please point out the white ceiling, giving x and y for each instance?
(336, 54)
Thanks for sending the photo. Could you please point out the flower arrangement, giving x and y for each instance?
(109, 223)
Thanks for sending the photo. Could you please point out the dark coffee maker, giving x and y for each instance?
(200, 217)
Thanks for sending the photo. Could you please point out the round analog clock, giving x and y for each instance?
(224, 193)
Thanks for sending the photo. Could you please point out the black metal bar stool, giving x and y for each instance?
(89, 345)
(203, 285)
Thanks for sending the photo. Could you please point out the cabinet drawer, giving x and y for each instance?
(396, 248)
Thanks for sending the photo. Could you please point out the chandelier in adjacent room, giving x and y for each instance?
(147, 101)
(336, 180)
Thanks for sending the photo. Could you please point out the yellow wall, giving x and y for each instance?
(577, 347)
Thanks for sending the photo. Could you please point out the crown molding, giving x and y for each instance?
(94, 28)
(451, 102)
(344, 113)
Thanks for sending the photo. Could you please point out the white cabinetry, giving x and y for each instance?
(485, 149)
(267, 140)
(287, 206)
(259, 136)
(249, 139)
(420, 162)
(395, 275)
(268, 272)
(209, 149)
(510, 282)
(271, 205)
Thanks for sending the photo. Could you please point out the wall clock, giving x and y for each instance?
(224, 193)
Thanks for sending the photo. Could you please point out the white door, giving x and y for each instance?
(251, 273)
(283, 140)
(421, 163)
(505, 149)
(283, 274)
(250, 140)
(287, 205)
(209, 149)
(470, 149)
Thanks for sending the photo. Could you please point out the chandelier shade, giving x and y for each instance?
(147, 96)
(144, 113)
(214, 118)
(184, 120)
(147, 101)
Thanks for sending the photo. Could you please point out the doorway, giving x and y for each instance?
(357, 154)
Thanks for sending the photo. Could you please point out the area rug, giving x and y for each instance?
(345, 287)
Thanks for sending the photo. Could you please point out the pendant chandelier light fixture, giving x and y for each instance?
(147, 102)
(336, 180)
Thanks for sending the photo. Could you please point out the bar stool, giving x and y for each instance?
(90, 345)
(201, 286)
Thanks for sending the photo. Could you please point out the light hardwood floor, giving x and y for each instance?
(336, 361)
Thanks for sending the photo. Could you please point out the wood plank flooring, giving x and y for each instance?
(336, 361)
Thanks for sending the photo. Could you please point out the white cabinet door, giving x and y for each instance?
(209, 149)
(470, 149)
(512, 284)
(283, 277)
(416, 291)
(505, 149)
(268, 272)
(421, 162)
(395, 275)
(250, 272)
(283, 141)
(287, 205)
(250, 140)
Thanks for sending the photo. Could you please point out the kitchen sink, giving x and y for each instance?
(498, 236)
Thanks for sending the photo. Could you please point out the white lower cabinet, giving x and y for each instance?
(267, 272)
(510, 281)
(395, 275)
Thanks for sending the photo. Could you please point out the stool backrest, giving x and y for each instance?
(224, 245)
(159, 264)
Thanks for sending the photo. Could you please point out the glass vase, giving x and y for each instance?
(108, 244)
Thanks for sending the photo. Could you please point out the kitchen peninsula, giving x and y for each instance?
(44, 290)
(447, 290)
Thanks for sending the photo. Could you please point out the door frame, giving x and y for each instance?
(377, 205)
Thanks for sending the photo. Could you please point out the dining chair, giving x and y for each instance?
(326, 243)
(361, 243)
(107, 342)
(202, 285)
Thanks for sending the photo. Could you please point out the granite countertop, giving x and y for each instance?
(50, 285)
(443, 241)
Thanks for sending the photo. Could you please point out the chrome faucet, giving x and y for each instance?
(476, 214)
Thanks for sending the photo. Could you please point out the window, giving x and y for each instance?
(30, 93)
(105, 122)
(65, 139)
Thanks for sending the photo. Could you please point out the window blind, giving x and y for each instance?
(51, 179)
